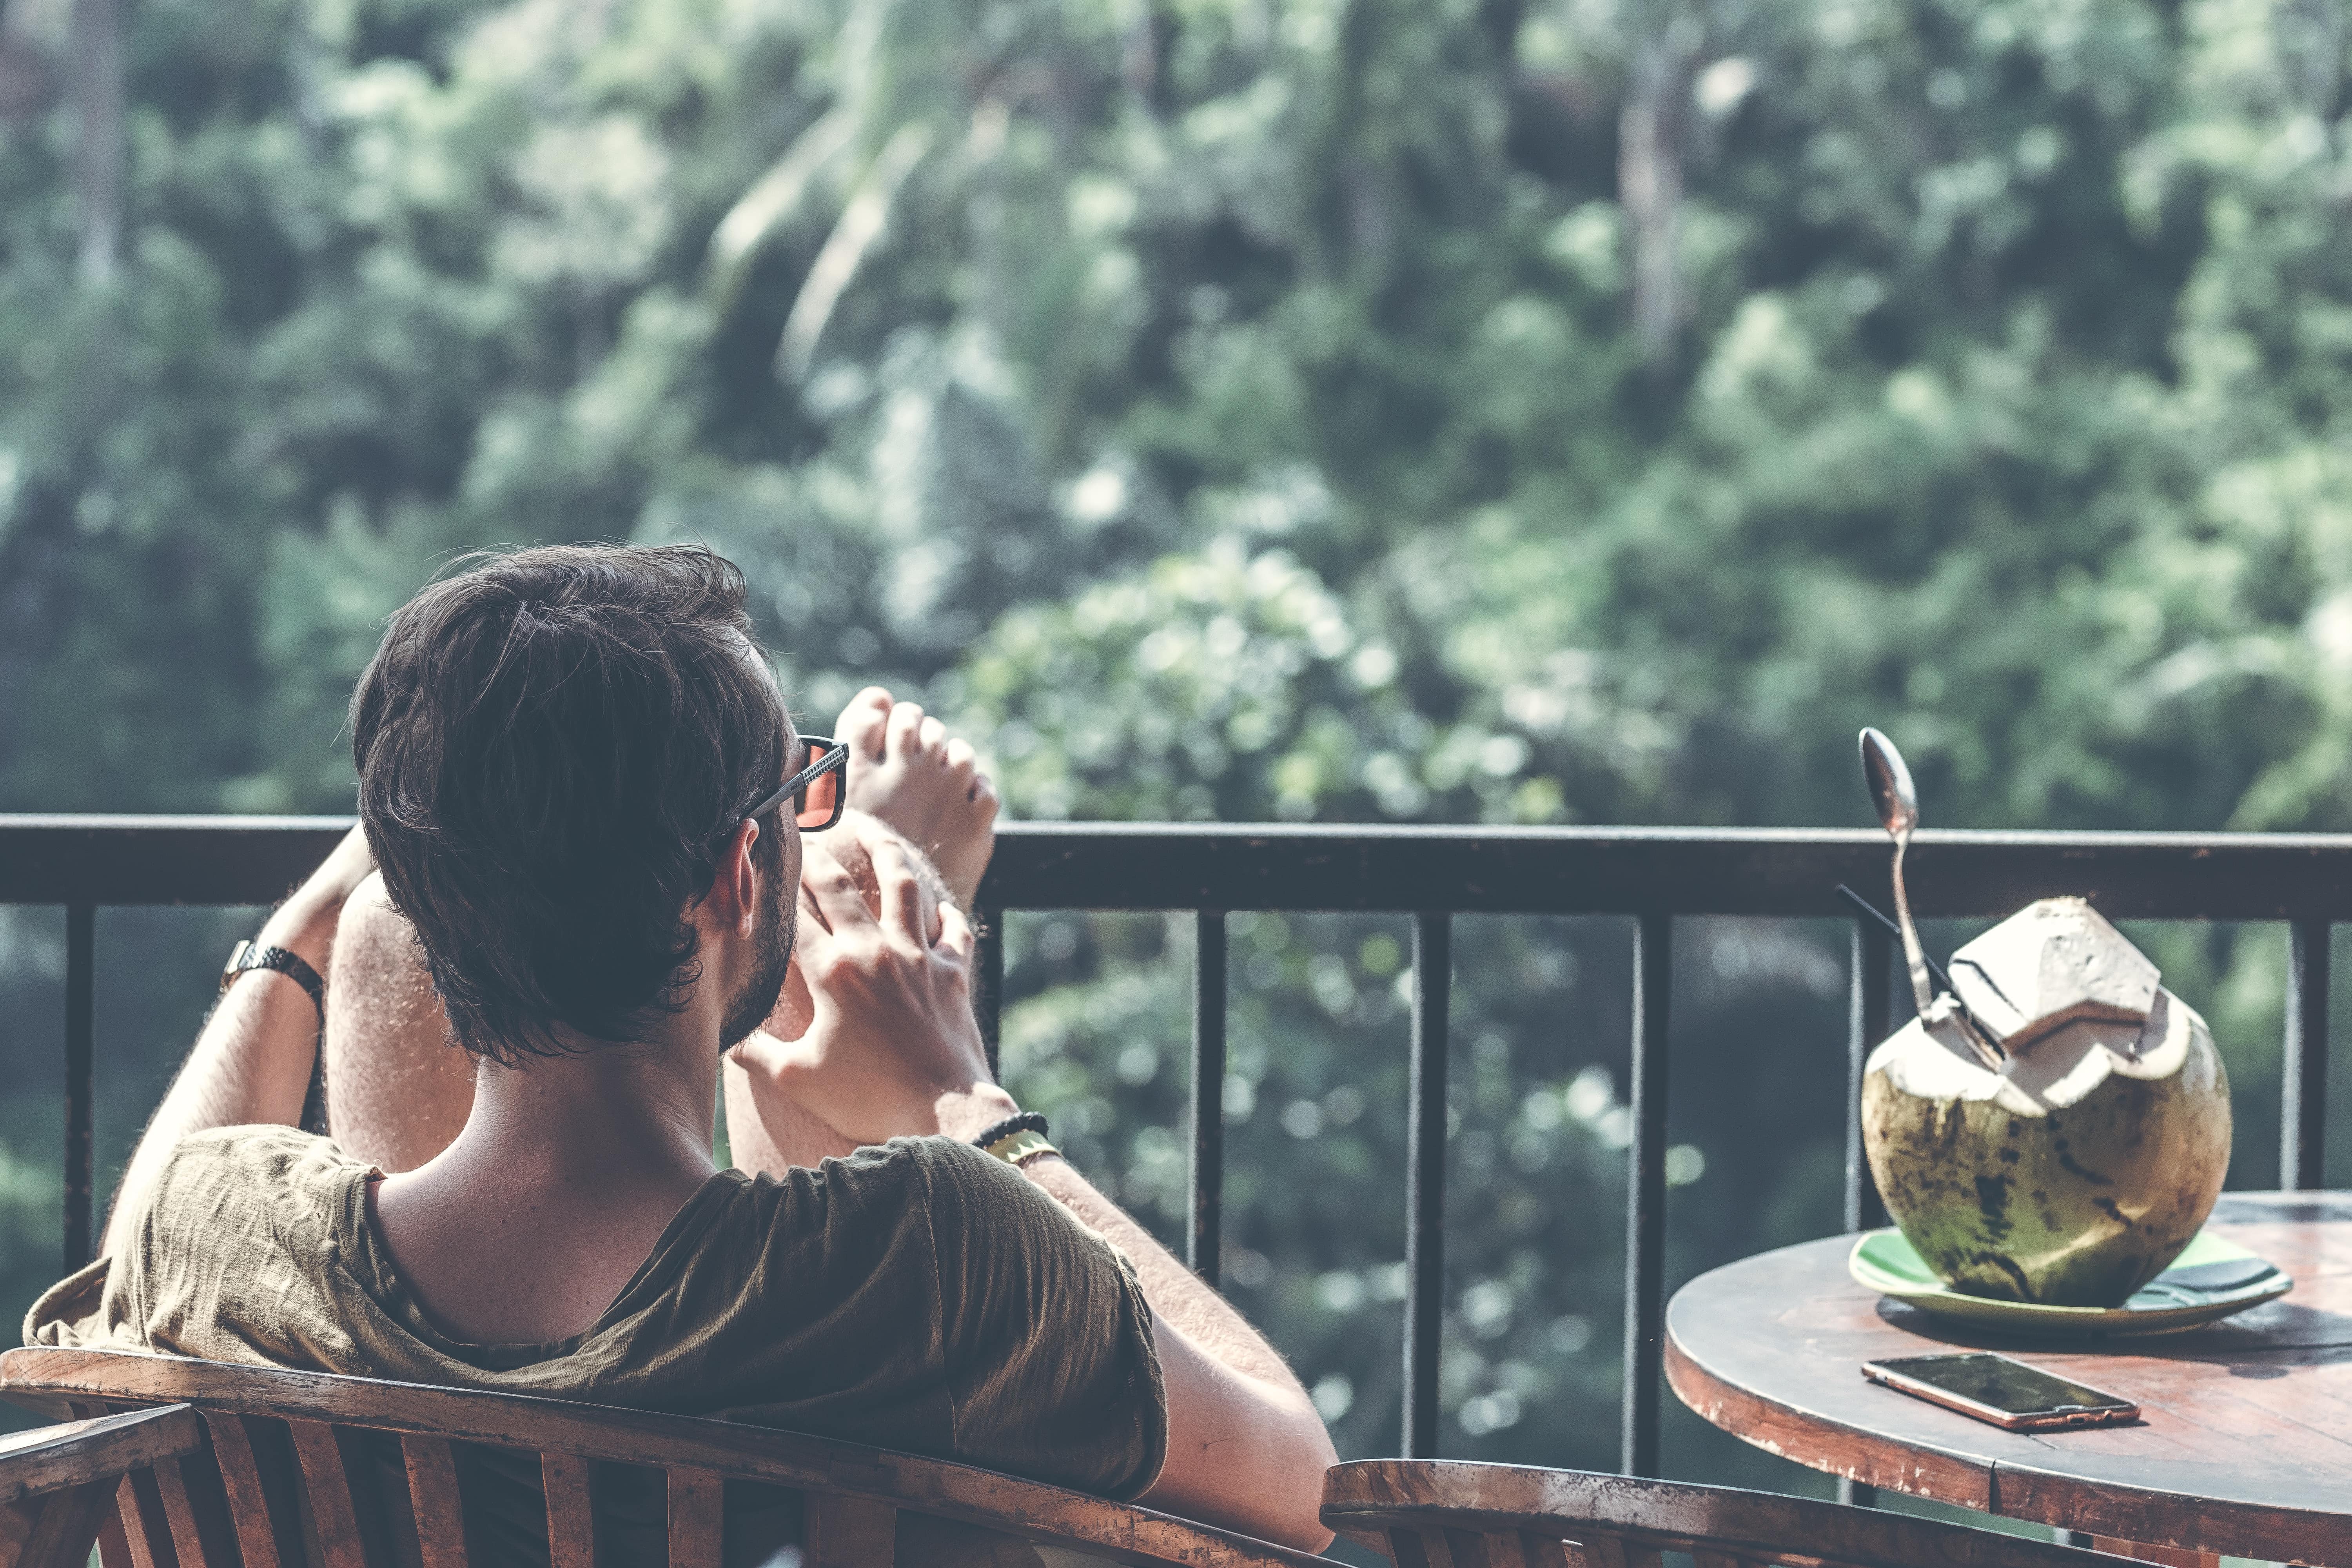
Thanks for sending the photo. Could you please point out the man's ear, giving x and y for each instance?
(734, 898)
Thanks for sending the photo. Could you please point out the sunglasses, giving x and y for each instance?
(819, 792)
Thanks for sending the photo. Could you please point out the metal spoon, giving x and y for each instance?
(1897, 803)
(1863, 907)
(1898, 812)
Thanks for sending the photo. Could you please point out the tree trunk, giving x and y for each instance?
(97, 88)
(1653, 134)
(28, 75)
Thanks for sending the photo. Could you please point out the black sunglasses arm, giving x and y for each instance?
(836, 756)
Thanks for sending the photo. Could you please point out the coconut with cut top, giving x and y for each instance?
(2078, 1165)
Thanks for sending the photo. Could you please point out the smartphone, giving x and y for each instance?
(2009, 1393)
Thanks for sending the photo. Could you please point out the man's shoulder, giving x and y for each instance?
(279, 1180)
(938, 1184)
(914, 1166)
(265, 1140)
(271, 1154)
(228, 1247)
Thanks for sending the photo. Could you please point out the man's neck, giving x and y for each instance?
(565, 1175)
(608, 1115)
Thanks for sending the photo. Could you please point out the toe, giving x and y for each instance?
(862, 723)
(932, 737)
(906, 728)
(959, 758)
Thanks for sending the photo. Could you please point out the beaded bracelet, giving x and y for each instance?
(1025, 1121)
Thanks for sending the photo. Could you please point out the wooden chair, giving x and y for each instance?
(1427, 1513)
(57, 1483)
(304, 1470)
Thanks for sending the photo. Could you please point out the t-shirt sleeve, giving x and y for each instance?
(1047, 1338)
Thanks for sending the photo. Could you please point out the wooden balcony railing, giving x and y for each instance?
(1651, 876)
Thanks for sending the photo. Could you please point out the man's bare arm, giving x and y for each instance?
(1245, 1444)
(891, 1049)
(251, 1063)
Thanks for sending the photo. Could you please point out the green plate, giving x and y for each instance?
(2200, 1285)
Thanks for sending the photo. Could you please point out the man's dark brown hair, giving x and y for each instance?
(553, 745)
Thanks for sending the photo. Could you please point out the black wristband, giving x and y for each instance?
(251, 955)
(1026, 1122)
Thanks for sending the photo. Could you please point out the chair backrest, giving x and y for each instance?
(58, 1484)
(306, 1470)
(1429, 1513)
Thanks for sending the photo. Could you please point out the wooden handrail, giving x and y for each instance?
(1416, 1508)
(75, 1453)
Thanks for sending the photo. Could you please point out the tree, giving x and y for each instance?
(1464, 410)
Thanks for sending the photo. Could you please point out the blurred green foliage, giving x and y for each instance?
(1417, 410)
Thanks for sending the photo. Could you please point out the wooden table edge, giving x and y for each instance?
(1869, 1458)
(2106, 1507)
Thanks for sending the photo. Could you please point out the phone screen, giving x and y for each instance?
(2009, 1386)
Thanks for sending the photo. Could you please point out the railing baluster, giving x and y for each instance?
(1203, 1244)
(1645, 1202)
(2303, 1076)
(1868, 998)
(988, 983)
(1425, 1236)
(81, 1017)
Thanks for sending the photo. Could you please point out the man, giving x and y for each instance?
(397, 1094)
(583, 790)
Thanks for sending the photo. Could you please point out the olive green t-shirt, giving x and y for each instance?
(920, 1295)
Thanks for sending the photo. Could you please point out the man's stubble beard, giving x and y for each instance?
(750, 1005)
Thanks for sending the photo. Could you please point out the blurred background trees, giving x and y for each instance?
(1404, 410)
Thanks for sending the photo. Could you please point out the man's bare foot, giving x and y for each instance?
(903, 769)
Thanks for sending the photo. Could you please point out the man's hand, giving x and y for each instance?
(891, 1049)
(850, 845)
(304, 925)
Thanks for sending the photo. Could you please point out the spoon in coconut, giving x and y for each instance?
(1864, 908)
(1897, 803)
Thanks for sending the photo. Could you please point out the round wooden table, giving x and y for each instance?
(2245, 1443)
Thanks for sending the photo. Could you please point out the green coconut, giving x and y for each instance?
(2073, 1173)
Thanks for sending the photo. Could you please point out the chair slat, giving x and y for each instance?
(696, 1518)
(850, 1532)
(1420, 1549)
(113, 1547)
(330, 1490)
(248, 1506)
(1474, 1548)
(114, 1540)
(1504, 1549)
(18, 1518)
(63, 1525)
(433, 1499)
(180, 1513)
(1606, 1552)
(1544, 1551)
(570, 1512)
(142, 1511)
